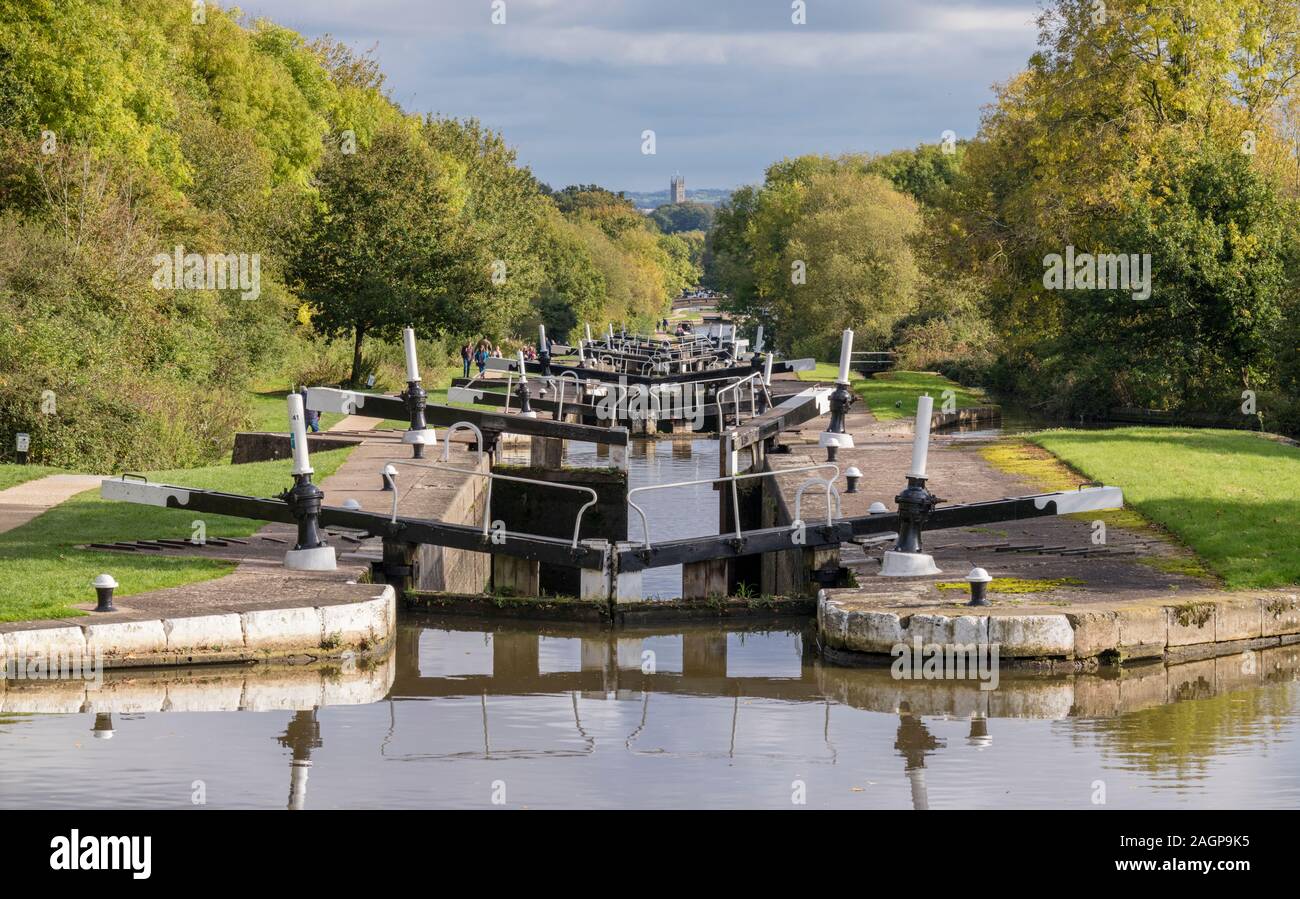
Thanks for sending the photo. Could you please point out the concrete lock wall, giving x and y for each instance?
(551, 512)
(792, 572)
(259, 446)
(457, 570)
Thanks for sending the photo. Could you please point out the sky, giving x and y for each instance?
(727, 86)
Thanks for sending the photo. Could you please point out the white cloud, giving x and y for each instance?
(792, 49)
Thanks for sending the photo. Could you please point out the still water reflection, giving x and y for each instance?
(462, 712)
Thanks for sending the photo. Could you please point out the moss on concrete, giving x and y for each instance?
(1013, 585)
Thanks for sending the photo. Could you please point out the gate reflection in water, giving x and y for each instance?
(554, 715)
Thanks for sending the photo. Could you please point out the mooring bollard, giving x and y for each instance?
(852, 476)
(525, 405)
(102, 729)
(419, 434)
(979, 584)
(915, 504)
(389, 476)
(104, 586)
(310, 553)
(835, 435)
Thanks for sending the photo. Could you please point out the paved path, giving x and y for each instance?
(355, 423)
(20, 504)
(1131, 563)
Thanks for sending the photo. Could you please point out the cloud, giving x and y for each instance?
(730, 86)
(865, 52)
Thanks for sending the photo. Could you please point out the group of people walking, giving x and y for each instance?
(478, 354)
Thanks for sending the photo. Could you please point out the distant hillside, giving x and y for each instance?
(650, 199)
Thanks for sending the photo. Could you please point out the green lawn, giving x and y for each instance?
(12, 475)
(270, 413)
(42, 573)
(893, 394)
(1229, 495)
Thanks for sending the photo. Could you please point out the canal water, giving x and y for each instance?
(673, 512)
(461, 714)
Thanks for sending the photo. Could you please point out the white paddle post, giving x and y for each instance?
(419, 434)
(836, 435)
(310, 552)
(915, 504)
(525, 408)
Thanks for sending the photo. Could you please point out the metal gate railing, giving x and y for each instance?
(491, 477)
(735, 499)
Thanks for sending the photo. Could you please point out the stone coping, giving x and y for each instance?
(284, 632)
(1075, 635)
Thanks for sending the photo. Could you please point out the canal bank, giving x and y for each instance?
(880, 623)
(262, 611)
(1068, 592)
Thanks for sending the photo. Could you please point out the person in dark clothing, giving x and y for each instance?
(310, 417)
(466, 357)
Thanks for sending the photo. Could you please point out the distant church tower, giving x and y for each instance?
(677, 189)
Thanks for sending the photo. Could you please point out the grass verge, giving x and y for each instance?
(268, 412)
(1228, 495)
(893, 394)
(11, 475)
(42, 573)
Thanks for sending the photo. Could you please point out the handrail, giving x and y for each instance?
(735, 505)
(753, 406)
(831, 489)
(492, 476)
(577, 382)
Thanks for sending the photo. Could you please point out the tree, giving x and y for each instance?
(673, 218)
(1144, 132)
(925, 172)
(575, 289)
(853, 240)
(379, 251)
